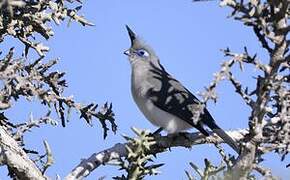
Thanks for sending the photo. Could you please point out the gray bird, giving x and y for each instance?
(164, 101)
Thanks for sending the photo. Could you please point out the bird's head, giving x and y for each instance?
(139, 51)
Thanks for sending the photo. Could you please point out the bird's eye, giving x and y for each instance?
(142, 53)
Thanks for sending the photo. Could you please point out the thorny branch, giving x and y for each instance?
(36, 81)
(270, 100)
(26, 20)
(19, 164)
(162, 143)
(21, 79)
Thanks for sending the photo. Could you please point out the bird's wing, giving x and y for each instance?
(171, 96)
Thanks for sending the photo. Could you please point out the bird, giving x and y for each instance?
(163, 100)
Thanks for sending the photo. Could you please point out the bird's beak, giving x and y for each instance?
(132, 35)
(127, 52)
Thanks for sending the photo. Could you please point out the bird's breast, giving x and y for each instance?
(140, 85)
(157, 116)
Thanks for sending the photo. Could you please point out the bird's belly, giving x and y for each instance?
(160, 118)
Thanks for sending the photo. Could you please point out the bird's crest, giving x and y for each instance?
(136, 41)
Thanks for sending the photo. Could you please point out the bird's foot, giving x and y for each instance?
(157, 132)
(181, 135)
(184, 135)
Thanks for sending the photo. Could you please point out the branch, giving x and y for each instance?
(240, 91)
(31, 123)
(36, 79)
(162, 143)
(16, 159)
(256, 14)
(262, 39)
(22, 23)
(264, 171)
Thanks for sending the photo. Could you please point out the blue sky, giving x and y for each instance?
(187, 38)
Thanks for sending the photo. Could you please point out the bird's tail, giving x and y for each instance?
(227, 139)
(222, 134)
